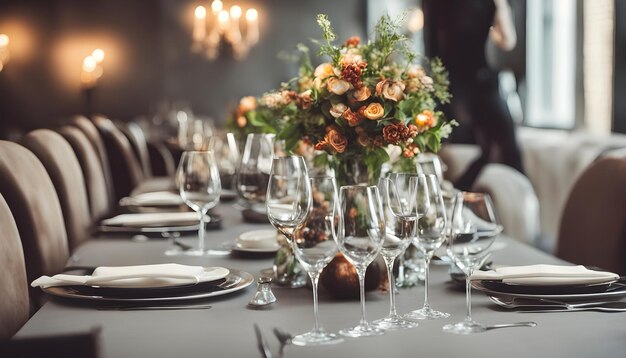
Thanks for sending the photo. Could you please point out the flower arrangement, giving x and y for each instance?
(367, 102)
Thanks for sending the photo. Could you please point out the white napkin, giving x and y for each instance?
(258, 239)
(156, 198)
(544, 275)
(154, 219)
(142, 276)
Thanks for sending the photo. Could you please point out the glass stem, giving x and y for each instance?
(400, 279)
(201, 230)
(361, 273)
(427, 256)
(315, 277)
(392, 285)
(468, 298)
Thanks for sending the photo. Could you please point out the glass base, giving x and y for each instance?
(465, 327)
(196, 252)
(394, 322)
(316, 338)
(362, 330)
(426, 313)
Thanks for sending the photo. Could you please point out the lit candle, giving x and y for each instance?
(252, 34)
(4, 41)
(217, 6)
(89, 64)
(235, 33)
(199, 24)
(98, 55)
(223, 19)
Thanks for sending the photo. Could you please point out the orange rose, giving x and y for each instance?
(247, 104)
(352, 41)
(304, 99)
(373, 111)
(425, 120)
(335, 140)
(241, 121)
(389, 89)
(361, 94)
(324, 70)
(337, 86)
(352, 118)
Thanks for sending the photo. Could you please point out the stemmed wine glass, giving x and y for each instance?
(199, 184)
(314, 247)
(431, 234)
(360, 234)
(401, 222)
(473, 230)
(253, 173)
(288, 198)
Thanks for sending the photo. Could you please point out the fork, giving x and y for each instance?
(558, 306)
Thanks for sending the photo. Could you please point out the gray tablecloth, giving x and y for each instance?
(226, 329)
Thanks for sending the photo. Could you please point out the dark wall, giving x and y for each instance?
(619, 84)
(148, 57)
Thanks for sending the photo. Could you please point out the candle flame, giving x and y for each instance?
(200, 12)
(98, 55)
(251, 15)
(4, 40)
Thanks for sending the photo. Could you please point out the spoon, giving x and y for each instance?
(284, 338)
(509, 325)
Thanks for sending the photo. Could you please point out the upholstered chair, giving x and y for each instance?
(137, 139)
(58, 157)
(92, 133)
(13, 284)
(593, 225)
(30, 194)
(100, 204)
(125, 169)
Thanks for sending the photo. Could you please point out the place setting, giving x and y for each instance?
(168, 285)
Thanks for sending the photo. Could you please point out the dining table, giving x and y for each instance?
(226, 329)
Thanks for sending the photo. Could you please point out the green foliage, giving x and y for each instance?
(328, 48)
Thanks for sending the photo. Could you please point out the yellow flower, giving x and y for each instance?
(425, 120)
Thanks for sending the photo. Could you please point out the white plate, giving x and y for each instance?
(614, 294)
(236, 280)
(237, 247)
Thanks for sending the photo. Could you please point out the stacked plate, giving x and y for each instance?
(156, 222)
(537, 285)
(257, 241)
(146, 283)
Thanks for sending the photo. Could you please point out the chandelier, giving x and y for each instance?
(221, 28)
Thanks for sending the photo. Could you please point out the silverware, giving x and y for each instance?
(262, 343)
(284, 338)
(548, 305)
(509, 325)
(152, 308)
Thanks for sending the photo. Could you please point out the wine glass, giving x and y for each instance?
(288, 194)
(401, 223)
(360, 234)
(473, 230)
(431, 234)
(314, 247)
(254, 169)
(199, 184)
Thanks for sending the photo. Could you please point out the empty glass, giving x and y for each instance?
(254, 170)
(314, 247)
(430, 236)
(473, 230)
(360, 234)
(401, 223)
(199, 184)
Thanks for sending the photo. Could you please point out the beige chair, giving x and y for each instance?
(58, 157)
(593, 225)
(30, 194)
(90, 130)
(516, 204)
(99, 200)
(13, 284)
(137, 139)
(125, 169)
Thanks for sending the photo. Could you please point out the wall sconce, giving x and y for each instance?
(4, 50)
(211, 30)
(92, 69)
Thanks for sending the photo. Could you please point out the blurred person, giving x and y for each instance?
(457, 31)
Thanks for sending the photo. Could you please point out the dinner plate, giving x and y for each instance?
(215, 222)
(506, 287)
(612, 292)
(237, 247)
(236, 280)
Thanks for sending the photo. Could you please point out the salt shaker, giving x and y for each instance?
(263, 295)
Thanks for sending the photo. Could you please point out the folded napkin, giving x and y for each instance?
(142, 276)
(154, 219)
(544, 275)
(156, 198)
(258, 239)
